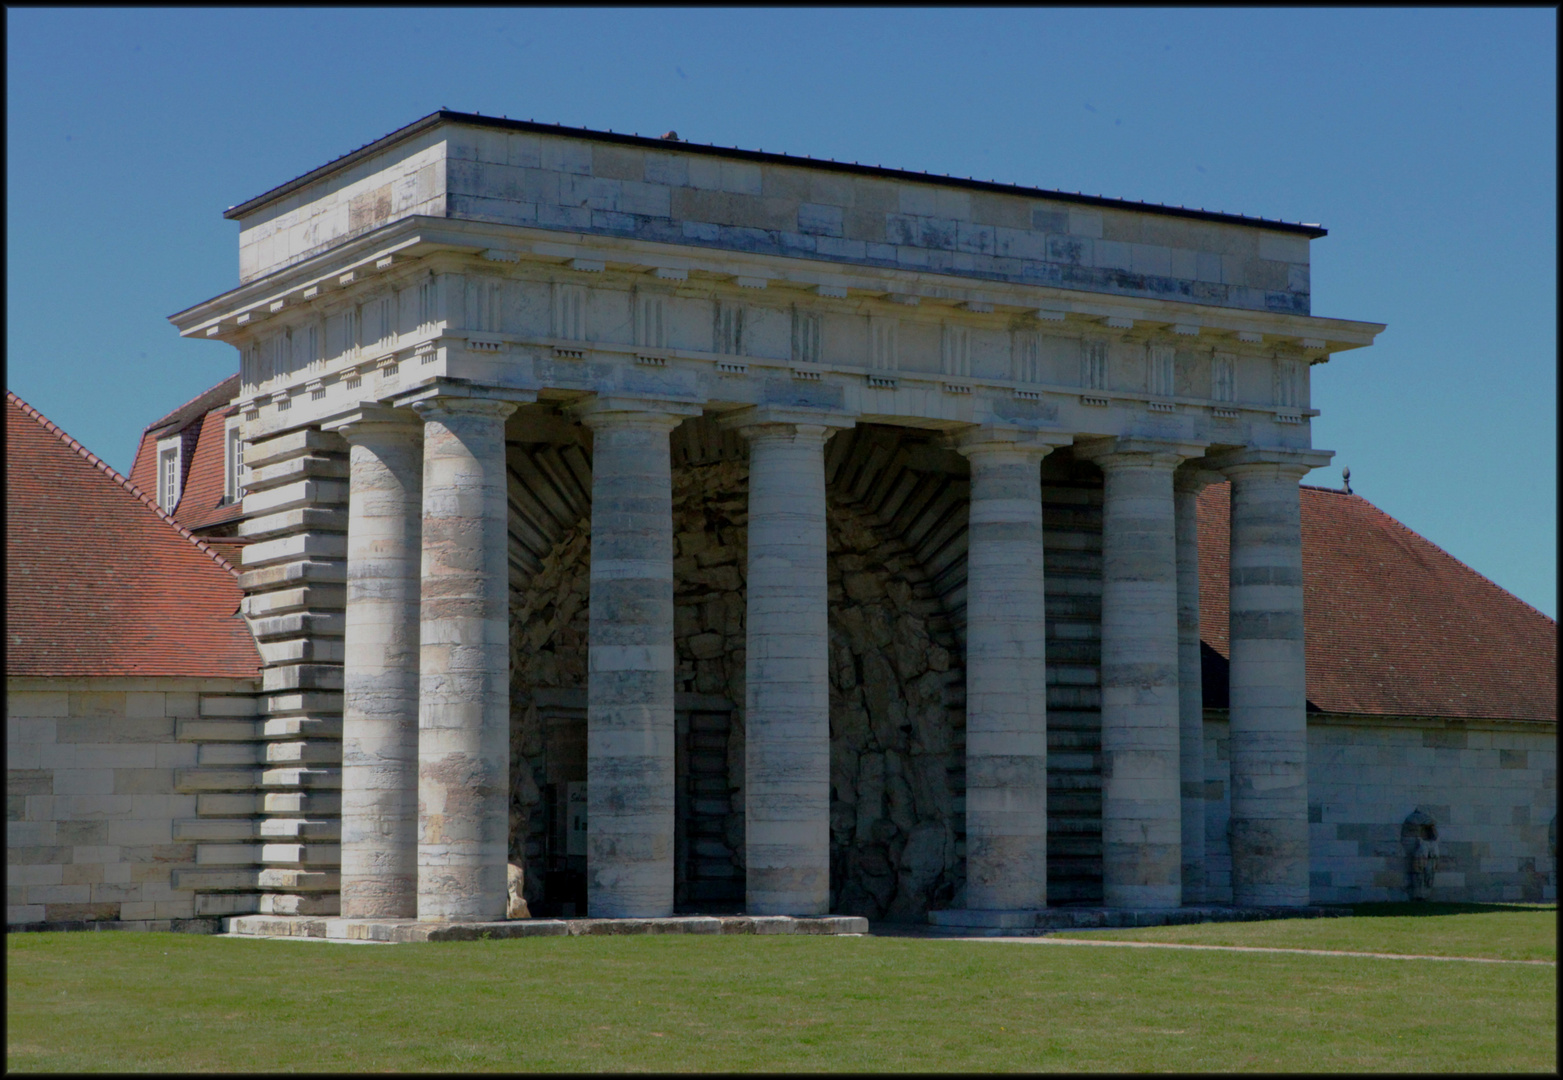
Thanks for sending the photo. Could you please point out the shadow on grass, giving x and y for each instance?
(1403, 908)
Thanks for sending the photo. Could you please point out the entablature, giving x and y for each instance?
(529, 310)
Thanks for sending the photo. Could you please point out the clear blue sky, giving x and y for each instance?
(1424, 140)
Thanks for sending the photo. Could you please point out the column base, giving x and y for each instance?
(400, 931)
(1001, 923)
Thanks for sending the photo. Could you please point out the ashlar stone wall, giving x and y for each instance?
(107, 804)
(1490, 788)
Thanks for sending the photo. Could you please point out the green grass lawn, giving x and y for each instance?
(1497, 931)
(171, 1002)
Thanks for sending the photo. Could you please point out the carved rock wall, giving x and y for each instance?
(896, 707)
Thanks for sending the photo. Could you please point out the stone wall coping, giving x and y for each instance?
(665, 145)
(43, 684)
(1379, 720)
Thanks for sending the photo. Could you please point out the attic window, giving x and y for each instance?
(168, 473)
(233, 464)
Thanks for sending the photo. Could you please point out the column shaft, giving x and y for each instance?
(1006, 678)
(1269, 736)
(630, 732)
(464, 693)
(1141, 782)
(1191, 697)
(787, 685)
(380, 676)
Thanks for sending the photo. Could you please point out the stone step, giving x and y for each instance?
(217, 879)
(196, 781)
(293, 444)
(216, 730)
(303, 650)
(302, 677)
(217, 755)
(291, 880)
(317, 856)
(299, 828)
(325, 752)
(227, 855)
(312, 804)
(230, 829)
(283, 903)
(312, 779)
(294, 574)
(299, 468)
(228, 805)
(226, 903)
(301, 727)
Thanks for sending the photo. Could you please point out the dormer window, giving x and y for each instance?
(233, 462)
(168, 473)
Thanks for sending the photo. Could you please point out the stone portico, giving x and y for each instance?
(482, 355)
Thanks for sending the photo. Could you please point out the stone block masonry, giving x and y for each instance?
(295, 576)
(105, 781)
(678, 195)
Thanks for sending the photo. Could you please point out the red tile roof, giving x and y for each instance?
(203, 457)
(1395, 625)
(99, 581)
(201, 502)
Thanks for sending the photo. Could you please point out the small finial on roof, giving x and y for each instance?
(1345, 475)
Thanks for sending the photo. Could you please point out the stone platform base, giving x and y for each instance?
(972, 923)
(392, 931)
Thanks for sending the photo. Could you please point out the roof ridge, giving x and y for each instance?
(172, 413)
(1483, 578)
(113, 474)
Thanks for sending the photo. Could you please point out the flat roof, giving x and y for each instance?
(760, 156)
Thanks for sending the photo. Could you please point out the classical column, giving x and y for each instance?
(380, 673)
(1006, 672)
(629, 682)
(1269, 735)
(464, 662)
(1187, 481)
(787, 680)
(1141, 779)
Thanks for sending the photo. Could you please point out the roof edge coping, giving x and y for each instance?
(233, 213)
